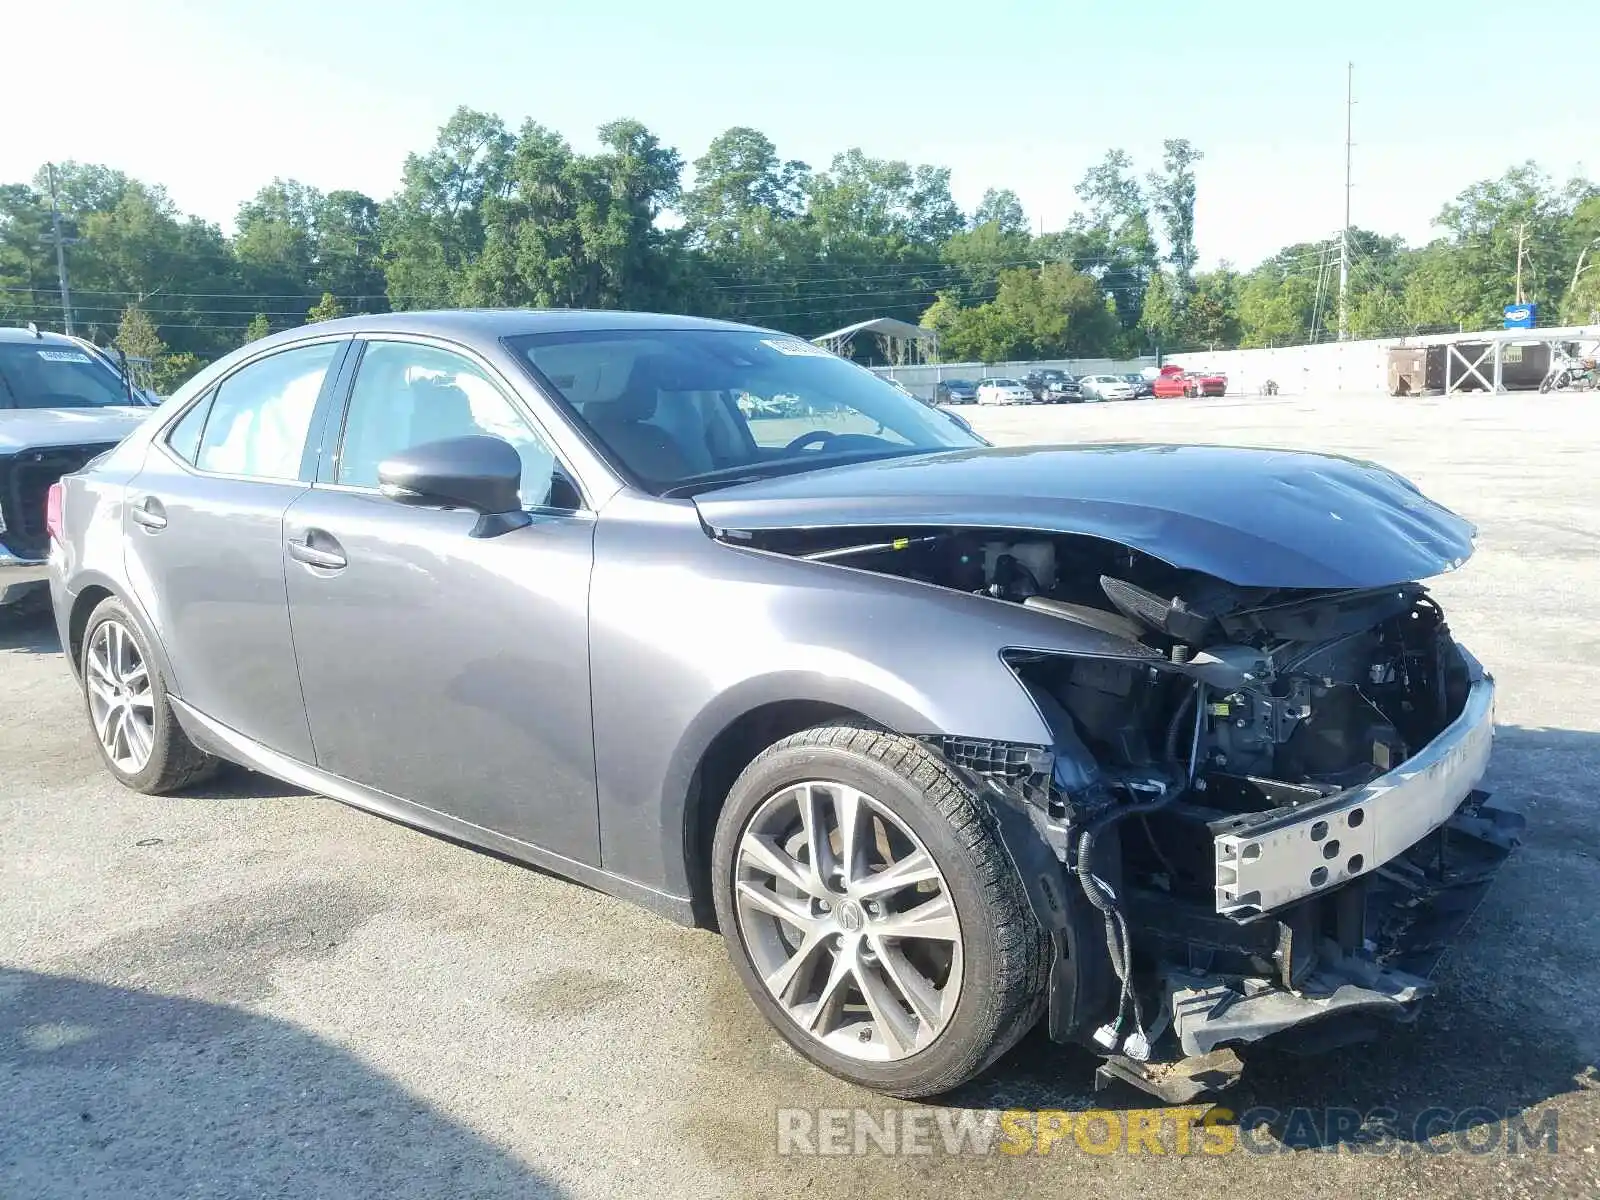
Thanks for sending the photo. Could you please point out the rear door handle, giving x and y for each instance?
(329, 556)
(149, 513)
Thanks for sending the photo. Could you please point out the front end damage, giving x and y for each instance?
(1265, 823)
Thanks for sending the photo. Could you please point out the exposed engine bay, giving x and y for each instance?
(1244, 812)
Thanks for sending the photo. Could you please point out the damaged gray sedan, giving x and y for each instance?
(1164, 746)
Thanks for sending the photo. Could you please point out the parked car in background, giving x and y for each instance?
(953, 740)
(955, 391)
(1042, 382)
(1175, 381)
(1105, 387)
(1141, 386)
(1172, 381)
(61, 403)
(1064, 389)
(1003, 391)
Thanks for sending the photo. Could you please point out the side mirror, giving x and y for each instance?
(480, 473)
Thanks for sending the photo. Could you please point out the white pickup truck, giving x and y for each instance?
(62, 401)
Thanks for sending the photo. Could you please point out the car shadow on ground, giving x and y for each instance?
(29, 628)
(124, 1094)
(239, 783)
(1483, 1043)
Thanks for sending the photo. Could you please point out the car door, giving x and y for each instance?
(203, 539)
(443, 669)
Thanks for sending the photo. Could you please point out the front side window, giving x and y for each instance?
(35, 374)
(260, 415)
(682, 409)
(406, 395)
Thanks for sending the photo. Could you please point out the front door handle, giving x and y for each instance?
(329, 555)
(149, 513)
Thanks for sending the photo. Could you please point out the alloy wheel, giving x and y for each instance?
(121, 703)
(848, 921)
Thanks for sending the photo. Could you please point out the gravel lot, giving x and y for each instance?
(250, 991)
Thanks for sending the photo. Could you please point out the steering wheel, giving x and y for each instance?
(820, 436)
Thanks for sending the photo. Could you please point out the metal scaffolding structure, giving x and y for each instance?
(900, 343)
(1485, 370)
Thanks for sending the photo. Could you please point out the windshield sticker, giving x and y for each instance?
(796, 348)
(64, 356)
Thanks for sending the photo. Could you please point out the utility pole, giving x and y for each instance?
(1344, 230)
(61, 251)
(1522, 231)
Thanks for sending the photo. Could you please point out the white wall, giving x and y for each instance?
(1326, 367)
(1340, 366)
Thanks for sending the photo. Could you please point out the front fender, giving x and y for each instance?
(688, 634)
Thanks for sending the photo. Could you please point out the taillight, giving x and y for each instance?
(52, 511)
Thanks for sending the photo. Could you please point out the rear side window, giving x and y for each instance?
(185, 436)
(260, 416)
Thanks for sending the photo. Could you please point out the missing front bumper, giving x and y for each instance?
(1343, 961)
(1267, 860)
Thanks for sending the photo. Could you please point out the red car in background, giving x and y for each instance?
(1175, 381)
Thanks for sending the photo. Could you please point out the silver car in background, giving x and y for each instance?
(1003, 391)
(1150, 743)
(1105, 387)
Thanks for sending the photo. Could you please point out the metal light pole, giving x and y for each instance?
(61, 251)
(1344, 231)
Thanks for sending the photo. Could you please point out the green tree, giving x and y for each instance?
(1113, 240)
(1212, 316)
(137, 336)
(1580, 305)
(433, 228)
(258, 328)
(740, 187)
(1275, 307)
(1172, 191)
(27, 271)
(1160, 319)
(1003, 210)
(325, 309)
(978, 255)
(276, 239)
(1050, 312)
(172, 371)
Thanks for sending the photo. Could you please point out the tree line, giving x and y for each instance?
(488, 216)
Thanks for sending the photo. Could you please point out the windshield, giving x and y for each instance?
(683, 409)
(1005, 383)
(36, 374)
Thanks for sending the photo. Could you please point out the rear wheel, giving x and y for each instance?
(871, 912)
(139, 738)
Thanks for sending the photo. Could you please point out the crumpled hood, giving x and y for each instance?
(1256, 518)
(24, 428)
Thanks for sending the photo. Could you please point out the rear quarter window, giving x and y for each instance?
(184, 436)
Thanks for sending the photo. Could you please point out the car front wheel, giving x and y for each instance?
(139, 737)
(872, 913)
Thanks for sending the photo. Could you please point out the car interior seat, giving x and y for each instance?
(623, 424)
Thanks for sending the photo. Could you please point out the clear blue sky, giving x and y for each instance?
(215, 97)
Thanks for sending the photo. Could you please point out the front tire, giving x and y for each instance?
(872, 914)
(125, 695)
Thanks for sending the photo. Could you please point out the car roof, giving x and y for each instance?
(497, 323)
(44, 337)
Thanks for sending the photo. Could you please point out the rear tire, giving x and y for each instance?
(910, 991)
(125, 696)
